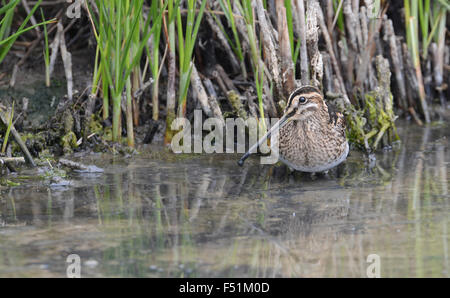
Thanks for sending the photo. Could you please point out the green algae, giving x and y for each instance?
(236, 104)
(373, 126)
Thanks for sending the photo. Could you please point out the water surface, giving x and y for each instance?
(161, 215)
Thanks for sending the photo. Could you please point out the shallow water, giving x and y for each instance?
(203, 216)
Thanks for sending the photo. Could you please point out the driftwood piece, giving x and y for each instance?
(18, 139)
(79, 167)
(9, 161)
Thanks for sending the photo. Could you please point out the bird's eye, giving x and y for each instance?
(302, 100)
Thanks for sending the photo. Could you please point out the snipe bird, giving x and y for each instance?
(311, 133)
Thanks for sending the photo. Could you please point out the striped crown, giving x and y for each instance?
(303, 91)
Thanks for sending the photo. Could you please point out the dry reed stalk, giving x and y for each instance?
(268, 44)
(328, 78)
(312, 42)
(200, 92)
(55, 49)
(356, 20)
(396, 61)
(169, 34)
(28, 158)
(67, 60)
(415, 80)
(330, 15)
(364, 26)
(364, 68)
(225, 78)
(285, 53)
(438, 70)
(240, 26)
(32, 18)
(252, 106)
(350, 22)
(245, 43)
(383, 89)
(215, 107)
(334, 62)
(304, 65)
(370, 82)
(30, 50)
(234, 63)
(352, 50)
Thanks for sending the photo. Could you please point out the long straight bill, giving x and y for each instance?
(275, 127)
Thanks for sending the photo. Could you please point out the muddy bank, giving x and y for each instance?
(52, 126)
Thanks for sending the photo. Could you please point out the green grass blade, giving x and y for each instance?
(9, 7)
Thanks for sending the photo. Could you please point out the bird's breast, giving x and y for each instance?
(311, 147)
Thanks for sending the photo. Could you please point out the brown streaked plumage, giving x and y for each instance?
(311, 133)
